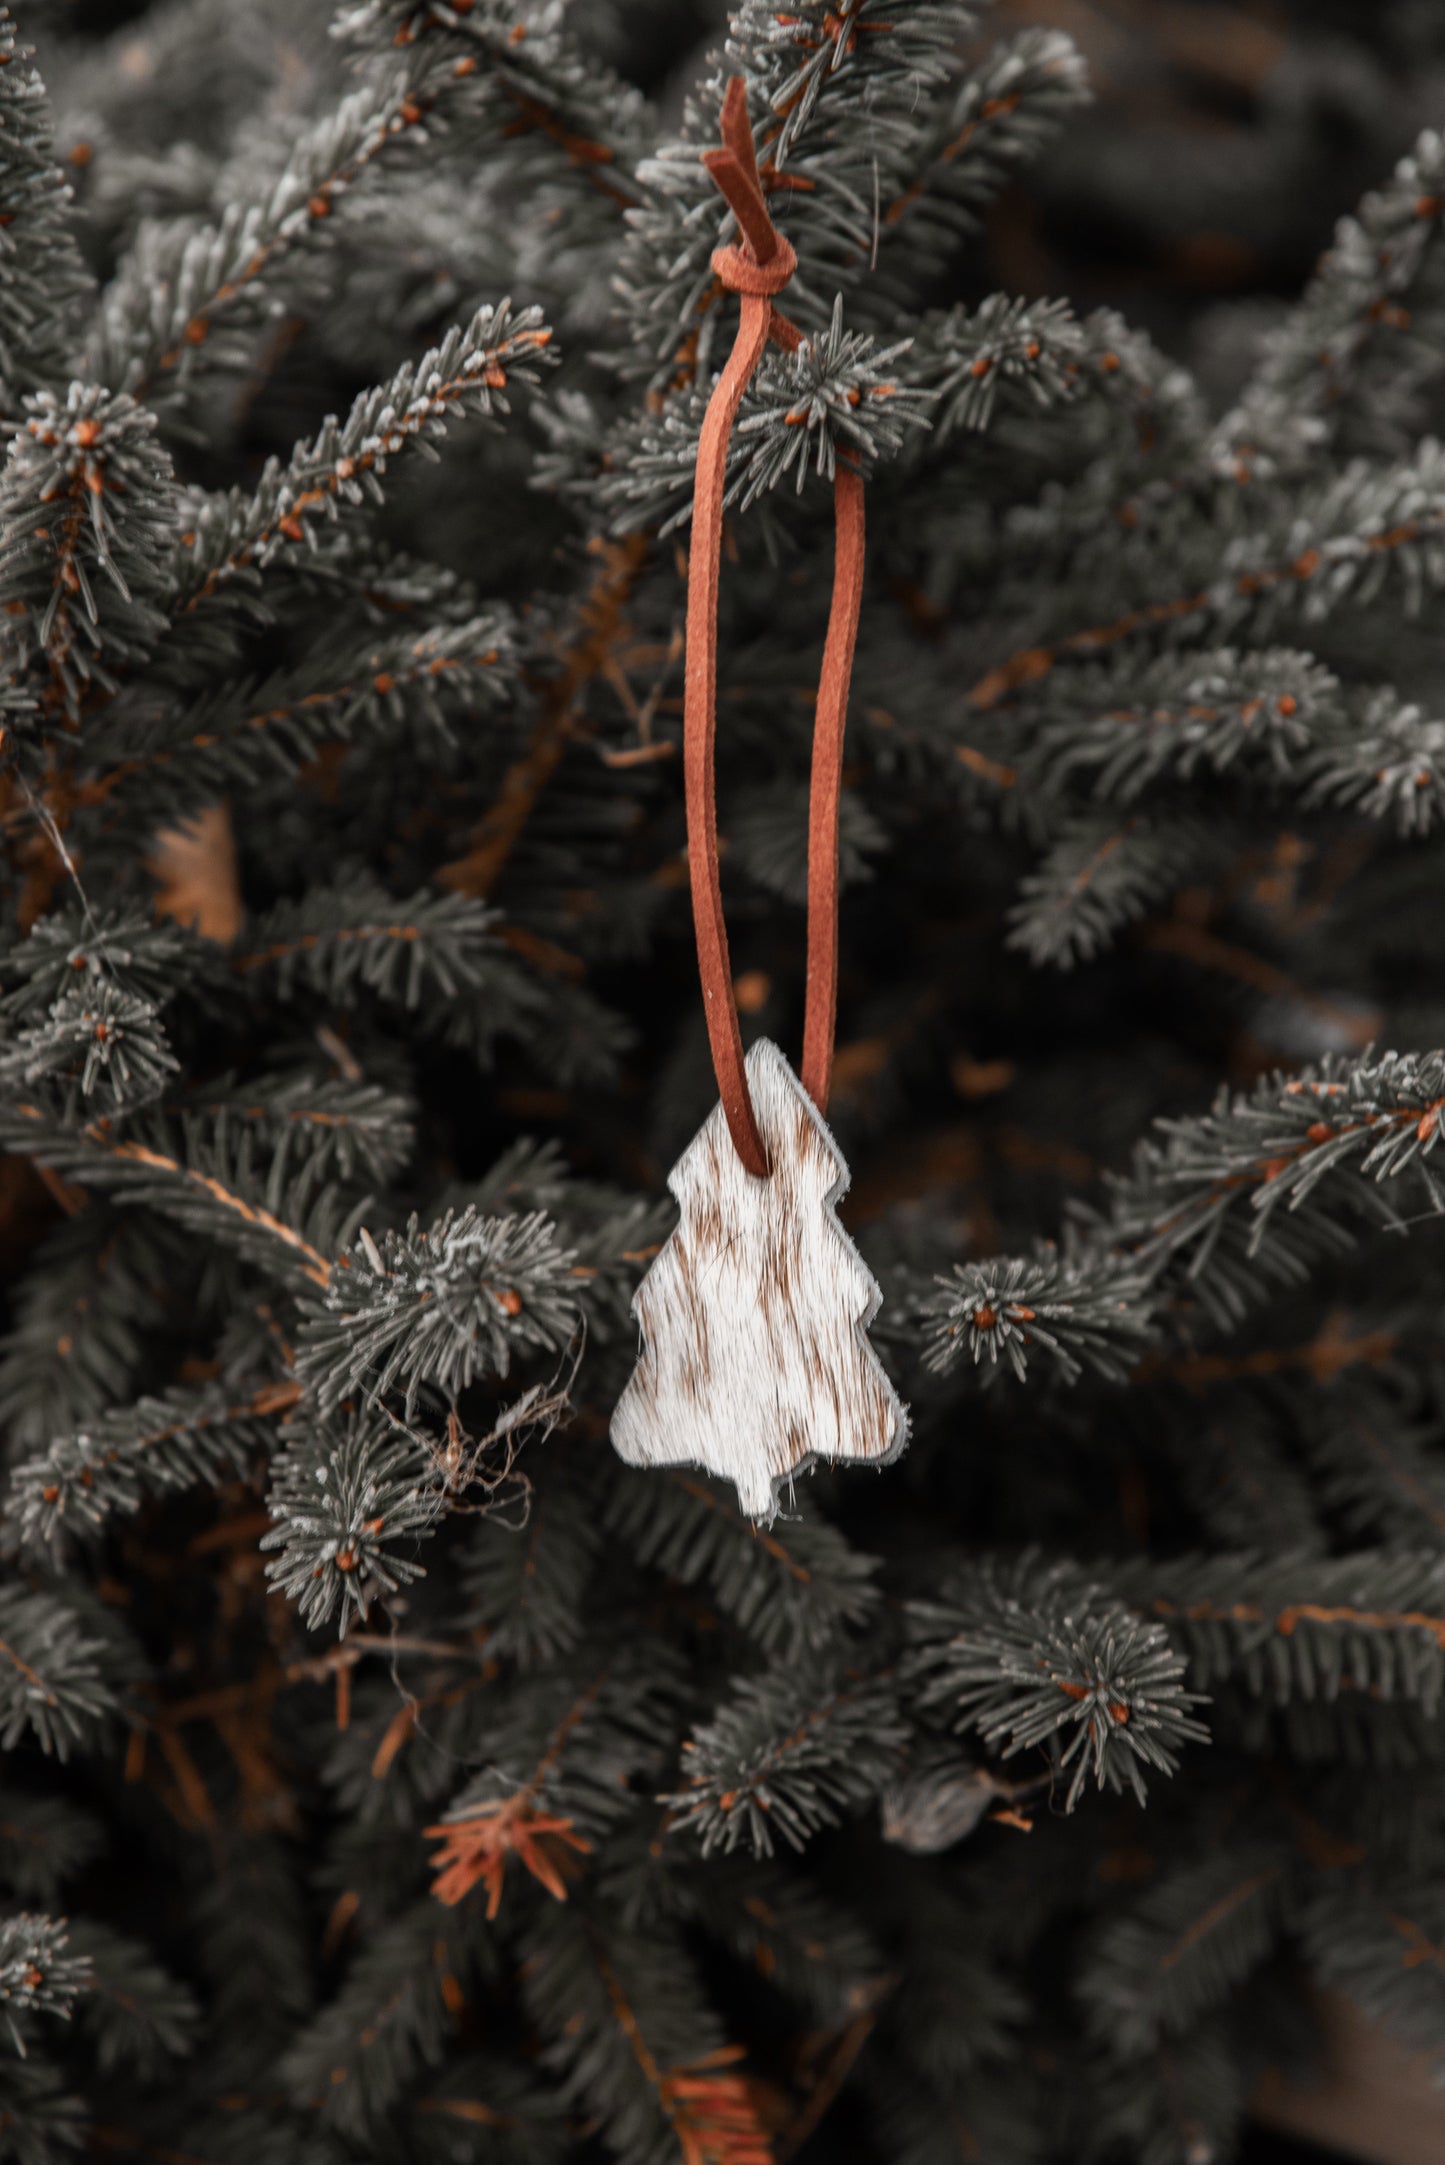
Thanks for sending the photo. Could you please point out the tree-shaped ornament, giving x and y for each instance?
(755, 1359)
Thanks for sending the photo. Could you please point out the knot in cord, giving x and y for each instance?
(756, 270)
(765, 262)
(740, 271)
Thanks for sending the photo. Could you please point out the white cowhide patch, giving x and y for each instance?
(755, 1359)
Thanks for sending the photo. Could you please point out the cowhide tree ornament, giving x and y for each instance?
(754, 1356)
(755, 1359)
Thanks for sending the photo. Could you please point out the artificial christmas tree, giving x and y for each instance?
(390, 1770)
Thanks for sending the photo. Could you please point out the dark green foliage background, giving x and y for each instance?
(1011, 1806)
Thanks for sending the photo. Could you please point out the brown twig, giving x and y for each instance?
(600, 613)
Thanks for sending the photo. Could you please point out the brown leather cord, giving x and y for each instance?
(757, 270)
(820, 1012)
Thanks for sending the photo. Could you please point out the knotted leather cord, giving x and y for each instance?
(757, 270)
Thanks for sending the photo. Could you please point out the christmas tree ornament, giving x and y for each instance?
(755, 1360)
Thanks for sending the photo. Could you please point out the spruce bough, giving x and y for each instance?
(386, 1766)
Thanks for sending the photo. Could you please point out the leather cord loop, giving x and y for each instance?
(756, 271)
(740, 274)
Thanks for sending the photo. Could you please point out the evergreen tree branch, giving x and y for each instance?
(340, 940)
(527, 1587)
(1010, 359)
(788, 1753)
(141, 2019)
(88, 515)
(107, 1469)
(567, 1753)
(1169, 1959)
(108, 1045)
(467, 375)
(151, 959)
(1003, 113)
(637, 2043)
(790, 1588)
(1037, 1653)
(1357, 300)
(423, 683)
(439, 1306)
(1374, 1461)
(202, 1174)
(1191, 2091)
(389, 2022)
(1250, 714)
(543, 84)
(45, 1842)
(91, 1302)
(1388, 763)
(1379, 1940)
(37, 1975)
(54, 1684)
(598, 622)
(1361, 529)
(840, 394)
(337, 1129)
(52, 2118)
(790, 1930)
(1305, 1627)
(1252, 1192)
(187, 291)
(1268, 721)
(1104, 872)
(45, 284)
(1082, 1308)
(349, 1506)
